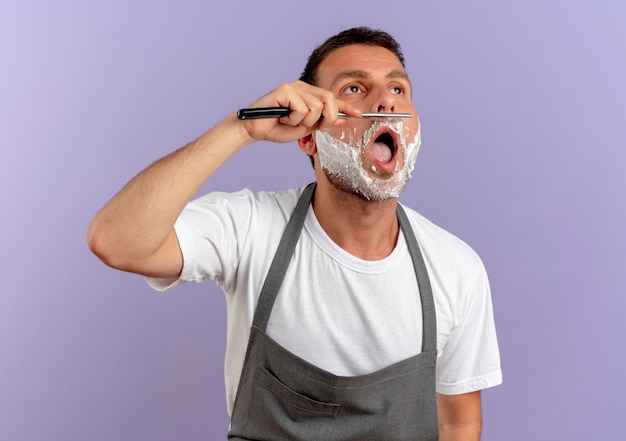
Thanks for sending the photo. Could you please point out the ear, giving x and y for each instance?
(307, 144)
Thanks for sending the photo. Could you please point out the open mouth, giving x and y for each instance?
(384, 147)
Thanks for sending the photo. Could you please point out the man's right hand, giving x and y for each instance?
(312, 108)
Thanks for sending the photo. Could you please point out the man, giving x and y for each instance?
(349, 316)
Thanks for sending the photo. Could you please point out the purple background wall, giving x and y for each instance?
(524, 151)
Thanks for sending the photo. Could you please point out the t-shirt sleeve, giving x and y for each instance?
(210, 232)
(470, 359)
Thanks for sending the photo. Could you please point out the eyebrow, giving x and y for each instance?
(361, 74)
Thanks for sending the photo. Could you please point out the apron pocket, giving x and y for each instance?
(288, 398)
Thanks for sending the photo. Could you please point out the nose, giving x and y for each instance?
(382, 108)
(385, 101)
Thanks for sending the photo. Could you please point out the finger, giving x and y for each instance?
(299, 110)
(323, 108)
(348, 109)
(315, 109)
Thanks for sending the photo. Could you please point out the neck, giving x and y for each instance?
(366, 229)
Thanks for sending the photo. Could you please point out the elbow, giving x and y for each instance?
(97, 245)
(100, 243)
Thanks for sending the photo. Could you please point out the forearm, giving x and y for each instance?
(460, 417)
(466, 432)
(134, 231)
(136, 222)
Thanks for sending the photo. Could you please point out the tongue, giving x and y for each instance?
(381, 151)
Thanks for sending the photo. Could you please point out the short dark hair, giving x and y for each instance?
(358, 35)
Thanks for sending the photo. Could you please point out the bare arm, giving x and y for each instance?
(134, 231)
(460, 417)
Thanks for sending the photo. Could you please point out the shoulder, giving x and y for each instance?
(246, 200)
(457, 273)
(439, 244)
(240, 217)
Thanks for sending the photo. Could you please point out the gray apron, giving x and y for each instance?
(283, 397)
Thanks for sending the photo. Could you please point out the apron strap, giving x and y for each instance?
(283, 255)
(429, 327)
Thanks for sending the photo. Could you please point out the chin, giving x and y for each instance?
(372, 189)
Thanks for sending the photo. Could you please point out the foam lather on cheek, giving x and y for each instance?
(343, 161)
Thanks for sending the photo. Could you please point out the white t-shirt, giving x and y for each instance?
(343, 314)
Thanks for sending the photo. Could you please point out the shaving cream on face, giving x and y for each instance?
(343, 162)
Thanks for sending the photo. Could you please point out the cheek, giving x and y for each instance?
(411, 128)
(408, 132)
(351, 131)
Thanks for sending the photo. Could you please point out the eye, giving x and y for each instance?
(352, 89)
(397, 90)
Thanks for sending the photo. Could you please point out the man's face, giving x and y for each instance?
(371, 158)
